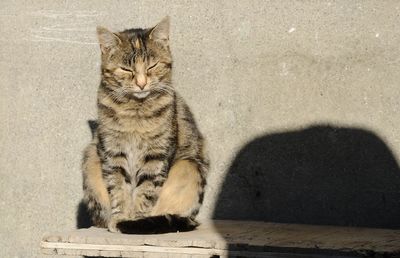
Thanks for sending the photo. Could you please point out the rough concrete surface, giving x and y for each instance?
(247, 68)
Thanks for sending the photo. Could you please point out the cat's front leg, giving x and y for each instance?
(119, 189)
(149, 181)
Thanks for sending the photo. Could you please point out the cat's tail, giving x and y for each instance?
(157, 224)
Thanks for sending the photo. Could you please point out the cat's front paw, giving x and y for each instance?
(112, 226)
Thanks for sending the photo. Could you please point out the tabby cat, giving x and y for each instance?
(147, 161)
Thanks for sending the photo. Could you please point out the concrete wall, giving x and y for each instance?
(247, 69)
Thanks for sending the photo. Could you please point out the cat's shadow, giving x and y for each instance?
(82, 216)
(319, 175)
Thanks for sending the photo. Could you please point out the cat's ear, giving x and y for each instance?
(107, 39)
(161, 31)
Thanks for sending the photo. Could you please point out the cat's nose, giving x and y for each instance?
(141, 81)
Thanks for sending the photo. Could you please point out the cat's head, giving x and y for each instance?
(137, 62)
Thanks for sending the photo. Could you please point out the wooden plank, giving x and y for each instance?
(310, 236)
(152, 251)
(223, 238)
(143, 248)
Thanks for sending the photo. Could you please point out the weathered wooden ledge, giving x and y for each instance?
(230, 238)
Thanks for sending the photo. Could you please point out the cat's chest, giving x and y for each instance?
(130, 142)
(133, 147)
(132, 117)
(140, 126)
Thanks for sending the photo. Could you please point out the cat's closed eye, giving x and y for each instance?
(152, 66)
(123, 71)
(126, 69)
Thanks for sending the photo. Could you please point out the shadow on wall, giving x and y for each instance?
(82, 215)
(320, 175)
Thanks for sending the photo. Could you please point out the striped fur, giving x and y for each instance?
(147, 159)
